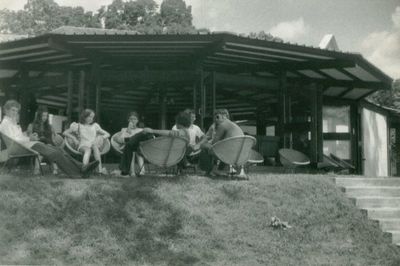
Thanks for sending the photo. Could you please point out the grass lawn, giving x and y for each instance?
(189, 220)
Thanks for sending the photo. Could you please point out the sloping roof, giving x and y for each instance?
(344, 75)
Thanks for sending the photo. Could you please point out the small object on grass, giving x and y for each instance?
(276, 223)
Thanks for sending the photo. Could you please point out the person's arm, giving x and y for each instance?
(29, 130)
(161, 132)
(69, 132)
(219, 133)
(102, 132)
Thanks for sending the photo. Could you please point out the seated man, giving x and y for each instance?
(132, 143)
(66, 163)
(222, 128)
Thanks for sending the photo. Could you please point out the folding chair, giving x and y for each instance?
(235, 151)
(15, 150)
(164, 152)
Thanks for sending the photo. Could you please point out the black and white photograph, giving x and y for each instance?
(200, 132)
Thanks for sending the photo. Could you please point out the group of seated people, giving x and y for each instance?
(84, 133)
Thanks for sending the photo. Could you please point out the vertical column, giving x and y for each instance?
(70, 85)
(163, 103)
(202, 98)
(214, 93)
(98, 98)
(316, 144)
(81, 91)
(24, 99)
(283, 110)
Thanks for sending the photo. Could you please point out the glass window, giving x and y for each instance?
(340, 148)
(336, 119)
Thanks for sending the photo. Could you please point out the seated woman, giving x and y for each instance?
(126, 133)
(132, 143)
(43, 130)
(84, 134)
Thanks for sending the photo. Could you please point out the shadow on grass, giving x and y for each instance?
(109, 222)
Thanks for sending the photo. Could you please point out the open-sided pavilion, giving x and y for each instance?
(285, 90)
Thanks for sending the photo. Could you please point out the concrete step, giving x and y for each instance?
(395, 236)
(377, 202)
(383, 213)
(381, 191)
(362, 182)
(390, 224)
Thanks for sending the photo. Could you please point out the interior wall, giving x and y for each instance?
(375, 143)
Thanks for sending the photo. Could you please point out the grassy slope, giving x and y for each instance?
(184, 221)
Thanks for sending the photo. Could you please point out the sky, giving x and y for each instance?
(369, 27)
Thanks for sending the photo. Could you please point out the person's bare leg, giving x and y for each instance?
(97, 156)
(86, 154)
(132, 171)
(141, 164)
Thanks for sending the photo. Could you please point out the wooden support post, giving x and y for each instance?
(163, 107)
(202, 98)
(98, 98)
(91, 90)
(23, 99)
(81, 91)
(195, 98)
(316, 143)
(214, 93)
(70, 85)
(260, 122)
(284, 111)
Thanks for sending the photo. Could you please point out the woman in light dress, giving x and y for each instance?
(85, 134)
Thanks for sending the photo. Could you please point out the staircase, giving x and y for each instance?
(380, 197)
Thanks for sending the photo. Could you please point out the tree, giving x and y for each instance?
(388, 98)
(41, 16)
(176, 17)
(264, 36)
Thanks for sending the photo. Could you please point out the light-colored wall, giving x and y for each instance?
(375, 143)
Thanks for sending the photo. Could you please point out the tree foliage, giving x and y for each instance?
(41, 16)
(143, 16)
(389, 98)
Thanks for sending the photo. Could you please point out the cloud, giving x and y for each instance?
(396, 18)
(290, 30)
(383, 48)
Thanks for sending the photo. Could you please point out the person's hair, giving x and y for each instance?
(222, 112)
(10, 104)
(38, 118)
(133, 113)
(183, 119)
(189, 111)
(84, 114)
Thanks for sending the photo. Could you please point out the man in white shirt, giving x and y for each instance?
(9, 126)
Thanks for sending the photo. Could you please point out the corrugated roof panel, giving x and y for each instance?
(334, 91)
(334, 73)
(247, 57)
(48, 58)
(311, 74)
(279, 50)
(264, 54)
(18, 56)
(24, 48)
(356, 93)
(361, 73)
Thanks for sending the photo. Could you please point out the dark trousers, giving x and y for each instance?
(64, 161)
(131, 145)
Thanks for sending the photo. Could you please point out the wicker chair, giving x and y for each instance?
(103, 144)
(291, 159)
(235, 151)
(164, 152)
(117, 147)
